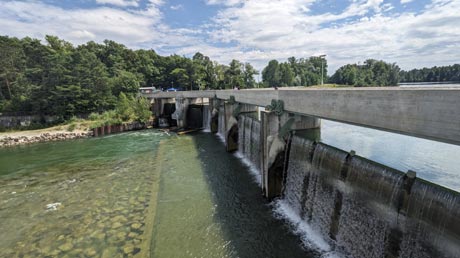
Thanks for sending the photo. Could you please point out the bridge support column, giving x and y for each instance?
(157, 107)
(214, 104)
(231, 127)
(181, 111)
(275, 135)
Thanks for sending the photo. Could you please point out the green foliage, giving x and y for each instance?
(142, 111)
(433, 74)
(295, 72)
(71, 127)
(57, 78)
(371, 73)
(124, 108)
(127, 109)
(93, 116)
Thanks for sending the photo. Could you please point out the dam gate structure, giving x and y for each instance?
(359, 207)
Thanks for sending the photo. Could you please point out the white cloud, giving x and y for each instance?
(224, 2)
(406, 1)
(279, 29)
(79, 25)
(119, 2)
(258, 30)
(176, 7)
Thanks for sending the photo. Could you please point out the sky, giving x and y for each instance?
(412, 33)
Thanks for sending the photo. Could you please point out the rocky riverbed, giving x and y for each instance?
(94, 203)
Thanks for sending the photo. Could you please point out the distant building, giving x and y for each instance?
(147, 90)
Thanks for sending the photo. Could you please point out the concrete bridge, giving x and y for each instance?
(416, 211)
(431, 113)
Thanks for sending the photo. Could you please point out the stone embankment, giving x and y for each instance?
(13, 140)
(27, 137)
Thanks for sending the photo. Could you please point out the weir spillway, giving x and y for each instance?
(359, 208)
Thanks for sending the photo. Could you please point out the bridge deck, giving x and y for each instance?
(432, 113)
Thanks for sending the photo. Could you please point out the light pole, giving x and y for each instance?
(322, 65)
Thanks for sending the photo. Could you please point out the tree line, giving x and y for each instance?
(58, 78)
(449, 73)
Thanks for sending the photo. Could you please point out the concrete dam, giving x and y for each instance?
(359, 207)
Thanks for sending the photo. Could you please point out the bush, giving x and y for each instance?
(142, 111)
(124, 108)
(94, 116)
(127, 109)
(71, 127)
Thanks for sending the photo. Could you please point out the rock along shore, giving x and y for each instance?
(14, 140)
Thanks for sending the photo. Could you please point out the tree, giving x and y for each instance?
(248, 76)
(287, 75)
(124, 108)
(125, 82)
(271, 74)
(371, 73)
(181, 77)
(234, 75)
(142, 111)
(11, 65)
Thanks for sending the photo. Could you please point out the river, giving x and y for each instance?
(150, 194)
(143, 194)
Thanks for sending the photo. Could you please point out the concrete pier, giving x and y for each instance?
(276, 131)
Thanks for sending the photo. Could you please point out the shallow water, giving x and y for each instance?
(85, 197)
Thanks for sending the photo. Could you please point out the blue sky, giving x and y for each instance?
(412, 33)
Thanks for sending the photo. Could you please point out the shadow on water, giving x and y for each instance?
(246, 218)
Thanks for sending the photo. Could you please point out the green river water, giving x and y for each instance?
(137, 194)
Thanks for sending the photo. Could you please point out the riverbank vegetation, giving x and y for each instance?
(370, 73)
(59, 79)
(449, 73)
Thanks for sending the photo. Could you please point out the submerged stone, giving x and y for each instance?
(66, 247)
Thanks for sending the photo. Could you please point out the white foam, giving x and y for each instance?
(310, 237)
(221, 137)
(252, 169)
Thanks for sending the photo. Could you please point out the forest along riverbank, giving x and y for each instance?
(93, 197)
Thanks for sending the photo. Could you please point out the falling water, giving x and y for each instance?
(299, 167)
(369, 209)
(433, 227)
(249, 149)
(320, 194)
(255, 143)
(221, 122)
(364, 209)
(206, 118)
(241, 134)
(249, 139)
